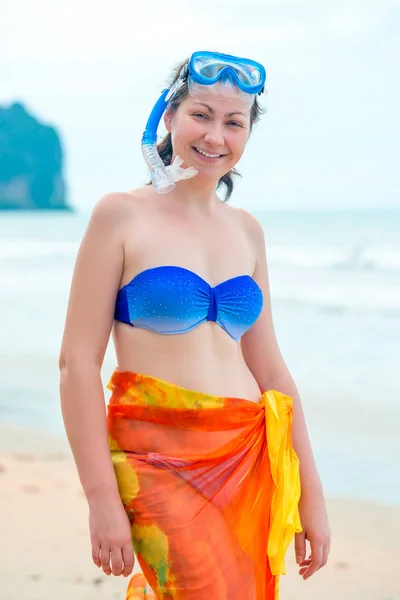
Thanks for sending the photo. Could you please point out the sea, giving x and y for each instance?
(335, 288)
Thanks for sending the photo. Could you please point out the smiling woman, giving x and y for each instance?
(210, 115)
(209, 133)
(193, 468)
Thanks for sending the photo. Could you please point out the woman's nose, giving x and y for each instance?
(214, 136)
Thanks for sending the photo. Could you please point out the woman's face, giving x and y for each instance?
(210, 134)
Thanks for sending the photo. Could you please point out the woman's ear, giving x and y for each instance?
(167, 120)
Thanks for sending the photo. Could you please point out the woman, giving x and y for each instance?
(204, 479)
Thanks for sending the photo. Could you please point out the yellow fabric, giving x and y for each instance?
(284, 462)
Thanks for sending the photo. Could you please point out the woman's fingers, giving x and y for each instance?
(105, 560)
(96, 553)
(305, 563)
(110, 534)
(300, 546)
(116, 561)
(325, 555)
(128, 558)
(317, 560)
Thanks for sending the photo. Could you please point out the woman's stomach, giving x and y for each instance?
(205, 359)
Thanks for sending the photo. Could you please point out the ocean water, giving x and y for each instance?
(335, 285)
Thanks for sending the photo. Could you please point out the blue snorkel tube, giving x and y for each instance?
(163, 177)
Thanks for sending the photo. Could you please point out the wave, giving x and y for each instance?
(383, 257)
(25, 248)
(384, 301)
(359, 258)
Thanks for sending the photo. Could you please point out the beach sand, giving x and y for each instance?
(45, 548)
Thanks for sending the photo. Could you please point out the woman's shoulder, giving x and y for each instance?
(115, 207)
(250, 224)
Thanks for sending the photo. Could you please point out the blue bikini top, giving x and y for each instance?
(172, 300)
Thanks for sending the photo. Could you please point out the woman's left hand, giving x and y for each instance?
(314, 521)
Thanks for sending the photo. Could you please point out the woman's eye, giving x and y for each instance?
(203, 116)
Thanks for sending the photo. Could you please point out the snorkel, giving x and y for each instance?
(163, 177)
(223, 74)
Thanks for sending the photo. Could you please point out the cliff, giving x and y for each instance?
(31, 163)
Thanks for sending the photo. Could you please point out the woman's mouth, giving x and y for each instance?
(207, 155)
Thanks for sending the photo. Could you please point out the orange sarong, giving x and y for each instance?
(210, 485)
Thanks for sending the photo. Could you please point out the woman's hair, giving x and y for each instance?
(165, 149)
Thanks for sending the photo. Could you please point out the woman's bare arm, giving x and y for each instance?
(95, 282)
(89, 319)
(263, 357)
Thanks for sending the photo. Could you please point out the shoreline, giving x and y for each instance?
(43, 525)
(15, 440)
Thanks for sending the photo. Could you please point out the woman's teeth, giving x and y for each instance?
(207, 154)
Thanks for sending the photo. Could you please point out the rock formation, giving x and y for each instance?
(31, 163)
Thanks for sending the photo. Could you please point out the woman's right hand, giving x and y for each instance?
(110, 535)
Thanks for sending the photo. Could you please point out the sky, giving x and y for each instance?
(330, 138)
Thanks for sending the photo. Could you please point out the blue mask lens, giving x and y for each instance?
(206, 68)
